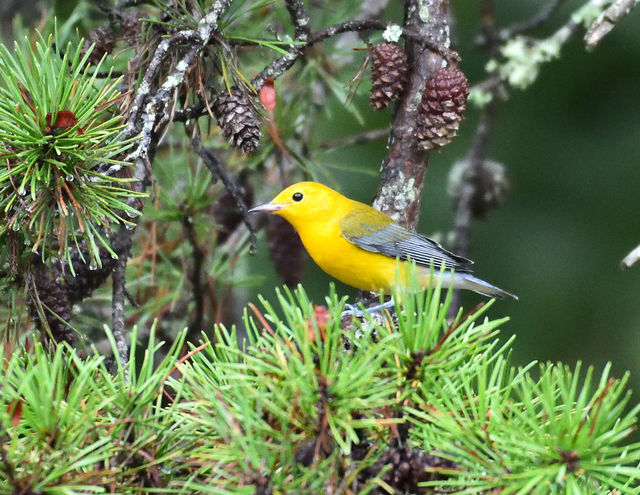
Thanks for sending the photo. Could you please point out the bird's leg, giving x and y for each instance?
(361, 310)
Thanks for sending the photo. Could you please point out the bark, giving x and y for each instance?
(403, 170)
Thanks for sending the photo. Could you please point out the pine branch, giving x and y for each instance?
(150, 114)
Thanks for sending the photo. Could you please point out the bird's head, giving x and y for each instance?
(301, 202)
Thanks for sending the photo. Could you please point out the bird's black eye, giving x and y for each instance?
(297, 196)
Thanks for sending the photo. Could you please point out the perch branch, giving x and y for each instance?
(361, 138)
(477, 152)
(197, 287)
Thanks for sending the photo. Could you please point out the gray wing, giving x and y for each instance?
(391, 239)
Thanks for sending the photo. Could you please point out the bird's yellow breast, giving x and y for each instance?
(350, 264)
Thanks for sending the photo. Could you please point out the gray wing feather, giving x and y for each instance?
(398, 242)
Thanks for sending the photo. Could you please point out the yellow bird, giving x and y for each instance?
(360, 245)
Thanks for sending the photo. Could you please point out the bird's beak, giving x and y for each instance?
(267, 207)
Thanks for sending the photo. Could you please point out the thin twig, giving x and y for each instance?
(607, 21)
(192, 112)
(361, 138)
(535, 21)
(300, 20)
(197, 287)
(157, 63)
(477, 153)
(280, 65)
(475, 157)
(218, 171)
(117, 308)
(632, 258)
(299, 17)
(148, 119)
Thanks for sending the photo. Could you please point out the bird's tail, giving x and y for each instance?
(468, 281)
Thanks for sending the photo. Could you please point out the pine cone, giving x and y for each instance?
(443, 105)
(131, 25)
(237, 118)
(103, 40)
(489, 181)
(226, 213)
(50, 298)
(287, 251)
(86, 279)
(407, 468)
(389, 71)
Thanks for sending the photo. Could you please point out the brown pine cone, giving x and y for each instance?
(407, 468)
(86, 279)
(287, 252)
(443, 105)
(103, 40)
(389, 71)
(50, 299)
(238, 120)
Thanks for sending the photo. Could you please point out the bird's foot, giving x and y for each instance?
(360, 310)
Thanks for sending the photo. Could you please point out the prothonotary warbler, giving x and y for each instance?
(360, 245)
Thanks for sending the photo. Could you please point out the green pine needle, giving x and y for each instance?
(55, 135)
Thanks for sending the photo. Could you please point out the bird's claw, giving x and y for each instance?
(359, 310)
(353, 310)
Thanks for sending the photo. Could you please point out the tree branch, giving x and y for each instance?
(535, 21)
(117, 305)
(632, 258)
(197, 287)
(607, 21)
(148, 119)
(478, 150)
(361, 138)
(403, 169)
(299, 17)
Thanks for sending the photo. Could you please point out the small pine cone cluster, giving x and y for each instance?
(226, 213)
(444, 102)
(408, 468)
(490, 185)
(287, 252)
(103, 41)
(389, 69)
(50, 298)
(238, 120)
(131, 26)
(86, 279)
